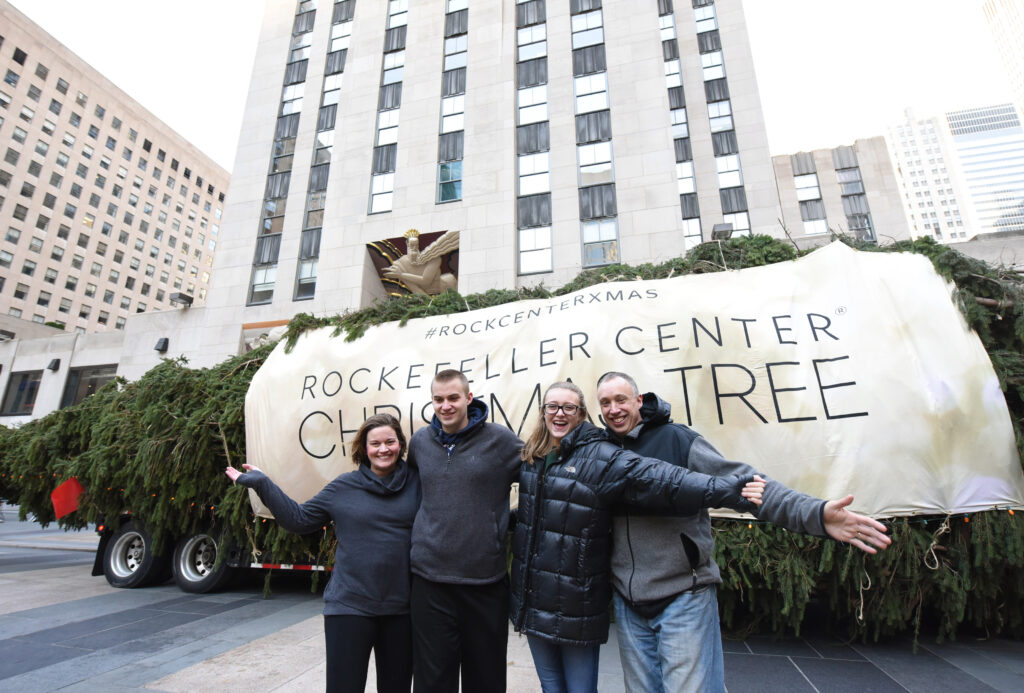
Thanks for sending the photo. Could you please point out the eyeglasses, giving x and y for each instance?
(569, 409)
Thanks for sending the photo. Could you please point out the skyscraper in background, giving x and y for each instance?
(552, 136)
(989, 144)
(105, 211)
(1006, 21)
(962, 173)
(931, 181)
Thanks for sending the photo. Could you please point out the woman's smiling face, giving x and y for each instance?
(558, 420)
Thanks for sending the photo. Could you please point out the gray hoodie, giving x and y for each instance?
(460, 530)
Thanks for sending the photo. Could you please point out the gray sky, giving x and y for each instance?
(187, 61)
(829, 71)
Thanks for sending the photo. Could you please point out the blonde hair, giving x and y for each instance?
(540, 441)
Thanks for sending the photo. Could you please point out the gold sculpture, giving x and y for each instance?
(420, 272)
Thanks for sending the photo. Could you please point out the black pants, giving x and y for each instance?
(455, 625)
(349, 641)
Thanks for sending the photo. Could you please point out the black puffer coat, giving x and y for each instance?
(562, 543)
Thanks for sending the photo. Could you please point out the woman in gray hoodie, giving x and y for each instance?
(366, 603)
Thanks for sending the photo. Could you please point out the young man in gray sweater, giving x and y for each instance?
(459, 600)
(666, 610)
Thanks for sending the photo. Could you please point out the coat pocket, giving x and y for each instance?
(694, 555)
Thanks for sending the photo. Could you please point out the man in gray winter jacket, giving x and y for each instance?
(666, 610)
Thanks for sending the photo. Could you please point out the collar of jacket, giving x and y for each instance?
(476, 413)
(585, 433)
(384, 486)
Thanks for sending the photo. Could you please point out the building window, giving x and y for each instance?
(534, 173)
(591, 93)
(728, 171)
(668, 27)
(807, 187)
(387, 127)
(263, 284)
(535, 250)
(673, 75)
(455, 52)
(684, 176)
(712, 65)
(740, 223)
(705, 18)
(449, 181)
(394, 65)
(20, 397)
(691, 233)
(812, 213)
(595, 163)
(850, 182)
(600, 242)
(306, 279)
(533, 104)
(381, 193)
(341, 34)
(532, 42)
(720, 113)
(398, 13)
(587, 29)
(452, 113)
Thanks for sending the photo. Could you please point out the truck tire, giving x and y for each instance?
(129, 560)
(195, 567)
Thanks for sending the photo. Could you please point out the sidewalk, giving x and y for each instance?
(286, 654)
(29, 535)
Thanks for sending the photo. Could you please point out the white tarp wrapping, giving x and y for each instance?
(841, 372)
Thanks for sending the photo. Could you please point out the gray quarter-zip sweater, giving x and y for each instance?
(460, 530)
(373, 524)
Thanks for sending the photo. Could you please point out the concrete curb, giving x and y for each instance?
(48, 547)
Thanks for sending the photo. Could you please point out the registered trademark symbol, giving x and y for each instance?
(841, 310)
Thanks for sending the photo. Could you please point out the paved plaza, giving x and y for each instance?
(63, 630)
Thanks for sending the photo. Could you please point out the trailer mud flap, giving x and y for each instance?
(97, 564)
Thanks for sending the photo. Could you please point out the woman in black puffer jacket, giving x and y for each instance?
(570, 479)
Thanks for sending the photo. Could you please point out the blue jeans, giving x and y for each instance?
(565, 668)
(677, 651)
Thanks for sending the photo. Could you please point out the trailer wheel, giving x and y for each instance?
(195, 565)
(129, 560)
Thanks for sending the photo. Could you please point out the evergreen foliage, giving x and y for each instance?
(157, 448)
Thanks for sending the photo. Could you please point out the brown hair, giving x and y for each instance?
(359, 455)
(540, 441)
(448, 375)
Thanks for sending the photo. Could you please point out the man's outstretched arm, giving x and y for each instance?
(861, 531)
